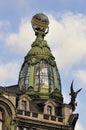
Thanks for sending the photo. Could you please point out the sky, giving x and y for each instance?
(66, 38)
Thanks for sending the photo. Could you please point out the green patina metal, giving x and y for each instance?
(31, 81)
(55, 78)
(41, 51)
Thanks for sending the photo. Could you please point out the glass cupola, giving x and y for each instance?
(39, 76)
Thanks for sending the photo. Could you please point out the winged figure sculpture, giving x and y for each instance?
(73, 96)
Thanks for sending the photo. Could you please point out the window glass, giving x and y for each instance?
(23, 71)
(43, 75)
(24, 76)
(22, 81)
(23, 105)
(49, 110)
(59, 111)
(43, 70)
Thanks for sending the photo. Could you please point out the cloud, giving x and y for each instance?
(4, 26)
(66, 97)
(22, 40)
(79, 126)
(66, 38)
(81, 76)
(9, 72)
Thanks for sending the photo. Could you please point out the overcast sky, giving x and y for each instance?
(66, 38)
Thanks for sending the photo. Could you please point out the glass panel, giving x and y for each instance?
(28, 71)
(22, 81)
(27, 80)
(50, 71)
(21, 74)
(51, 82)
(23, 105)
(23, 71)
(36, 80)
(24, 75)
(44, 81)
(49, 110)
(43, 75)
(44, 71)
(37, 70)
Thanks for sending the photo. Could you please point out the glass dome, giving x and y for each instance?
(43, 77)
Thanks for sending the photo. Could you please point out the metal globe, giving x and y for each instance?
(40, 21)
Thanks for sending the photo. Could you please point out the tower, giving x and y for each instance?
(36, 102)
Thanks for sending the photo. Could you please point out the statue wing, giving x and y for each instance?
(71, 88)
(78, 91)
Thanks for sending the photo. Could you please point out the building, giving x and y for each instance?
(36, 102)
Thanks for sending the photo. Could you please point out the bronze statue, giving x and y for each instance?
(73, 96)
